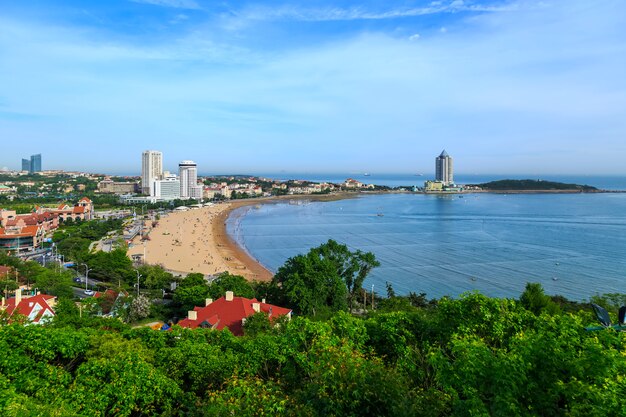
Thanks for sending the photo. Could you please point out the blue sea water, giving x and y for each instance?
(573, 244)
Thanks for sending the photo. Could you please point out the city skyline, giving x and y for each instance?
(514, 87)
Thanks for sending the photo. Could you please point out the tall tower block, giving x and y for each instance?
(151, 170)
(443, 168)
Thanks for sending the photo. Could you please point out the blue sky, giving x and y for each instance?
(315, 86)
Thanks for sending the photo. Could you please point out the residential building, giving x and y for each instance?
(443, 168)
(26, 231)
(188, 174)
(151, 170)
(38, 309)
(230, 312)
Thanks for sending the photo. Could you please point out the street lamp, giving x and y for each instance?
(138, 276)
(86, 276)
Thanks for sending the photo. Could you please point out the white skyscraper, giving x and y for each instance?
(151, 170)
(188, 174)
(443, 168)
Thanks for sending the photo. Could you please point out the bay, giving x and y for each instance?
(573, 244)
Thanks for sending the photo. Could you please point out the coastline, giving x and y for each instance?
(230, 248)
(197, 240)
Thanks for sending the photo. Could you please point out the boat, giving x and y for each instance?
(366, 174)
(380, 214)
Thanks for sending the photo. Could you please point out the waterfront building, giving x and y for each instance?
(151, 170)
(168, 188)
(443, 169)
(188, 174)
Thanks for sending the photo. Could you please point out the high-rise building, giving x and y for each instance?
(188, 174)
(443, 168)
(168, 188)
(35, 163)
(151, 170)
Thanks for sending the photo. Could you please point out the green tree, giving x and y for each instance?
(534, 299)
(227, 282)
(56, 283)
(329, 275)
(256, 324)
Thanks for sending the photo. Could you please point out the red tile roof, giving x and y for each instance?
(79, 209)
(28, 304)
(221, 313)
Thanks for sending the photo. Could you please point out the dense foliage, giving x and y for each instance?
(533, 185)
(466, 357)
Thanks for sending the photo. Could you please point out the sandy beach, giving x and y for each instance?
(196, 241)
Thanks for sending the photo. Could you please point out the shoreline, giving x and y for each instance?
(230, 248)
(197, 241)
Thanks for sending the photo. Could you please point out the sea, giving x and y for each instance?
(445, 245)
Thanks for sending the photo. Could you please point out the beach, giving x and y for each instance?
(196, 240)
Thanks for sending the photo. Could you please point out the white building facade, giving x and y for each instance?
(151, 170)
(188, 173)
(168, 188)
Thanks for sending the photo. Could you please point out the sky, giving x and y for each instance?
(511, 86)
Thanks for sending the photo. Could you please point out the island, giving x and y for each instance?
(528, 185)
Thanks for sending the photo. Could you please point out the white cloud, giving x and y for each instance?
(178, 4)
(414, 37)
(360, 13)
(489, 87)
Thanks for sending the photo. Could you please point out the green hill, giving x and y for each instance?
(534, 185)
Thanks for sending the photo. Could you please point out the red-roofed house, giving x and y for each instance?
(230, 312)
(38, 309)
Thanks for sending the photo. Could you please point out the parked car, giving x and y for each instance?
(89, 292)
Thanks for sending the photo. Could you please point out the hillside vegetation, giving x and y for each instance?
(534, 185)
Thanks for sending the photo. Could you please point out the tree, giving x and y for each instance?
(55, 283)
(534, 299)
(227, 282)
(138, 309)
(329, 275)
(352, 267)
(155, 277)
(256, 324)
(311, 283)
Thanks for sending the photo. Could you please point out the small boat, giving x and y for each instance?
(555, 279)
(366, 174)
(380, 214)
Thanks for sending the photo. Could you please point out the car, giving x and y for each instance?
(89, 292)
(78, 279)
